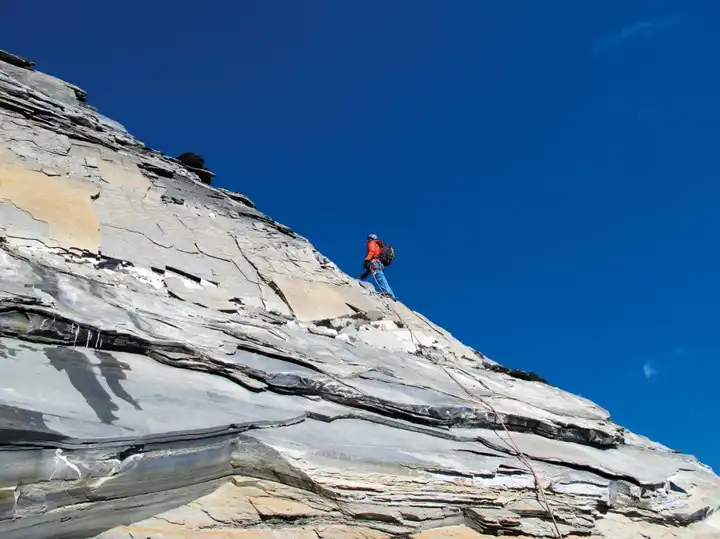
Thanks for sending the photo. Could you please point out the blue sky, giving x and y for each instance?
(547, 174)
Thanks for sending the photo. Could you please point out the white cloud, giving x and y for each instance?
(646, 29)
(649, 370)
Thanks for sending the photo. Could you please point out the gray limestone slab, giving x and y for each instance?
(356, 441)
(134, 247)
(131, 215)
(84, 392)
(52, 142)
(46, 84)
(189, 263)
(110, 124)
(210, 297)
(270, 365)
(20, 224)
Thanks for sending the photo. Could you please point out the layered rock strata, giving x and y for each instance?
(175, 363)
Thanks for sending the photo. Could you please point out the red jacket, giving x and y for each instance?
(373, 250)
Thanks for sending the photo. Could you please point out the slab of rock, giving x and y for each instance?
(175, 363)
(449, 532)
(268, 507)
(227, 506)
(15, 60)
(493, 520)
(348, 532)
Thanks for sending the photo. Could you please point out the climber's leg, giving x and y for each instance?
(381, 280)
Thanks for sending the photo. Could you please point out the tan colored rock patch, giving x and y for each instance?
(313, 300)
(127, 174)
(188, 517)
(269, 489)
(448, 532)
(348, 532)
(228, 505)
(63, 203)
(161, 532)
(275, 507)
(251, 491)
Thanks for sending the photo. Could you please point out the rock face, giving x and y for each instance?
(174, 363)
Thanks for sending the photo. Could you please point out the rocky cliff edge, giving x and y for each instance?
(174, 363)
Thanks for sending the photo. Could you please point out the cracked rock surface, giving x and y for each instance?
(176, 364)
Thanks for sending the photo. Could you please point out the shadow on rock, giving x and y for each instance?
(80, 372)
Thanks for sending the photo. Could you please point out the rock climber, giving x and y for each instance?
(377, 252)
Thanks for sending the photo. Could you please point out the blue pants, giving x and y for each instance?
(376, 268)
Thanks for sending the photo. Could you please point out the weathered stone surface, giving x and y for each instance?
(126, 175)
(175, 363)
(312, 300)
(348, 532)
(268, 507)
(15, 60)
(65, 205)
(450, 532)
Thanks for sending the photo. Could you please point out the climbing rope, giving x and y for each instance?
(522, 457)
(413, 339)
(509, 442)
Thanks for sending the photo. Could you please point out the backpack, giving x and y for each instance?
(387, 253)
